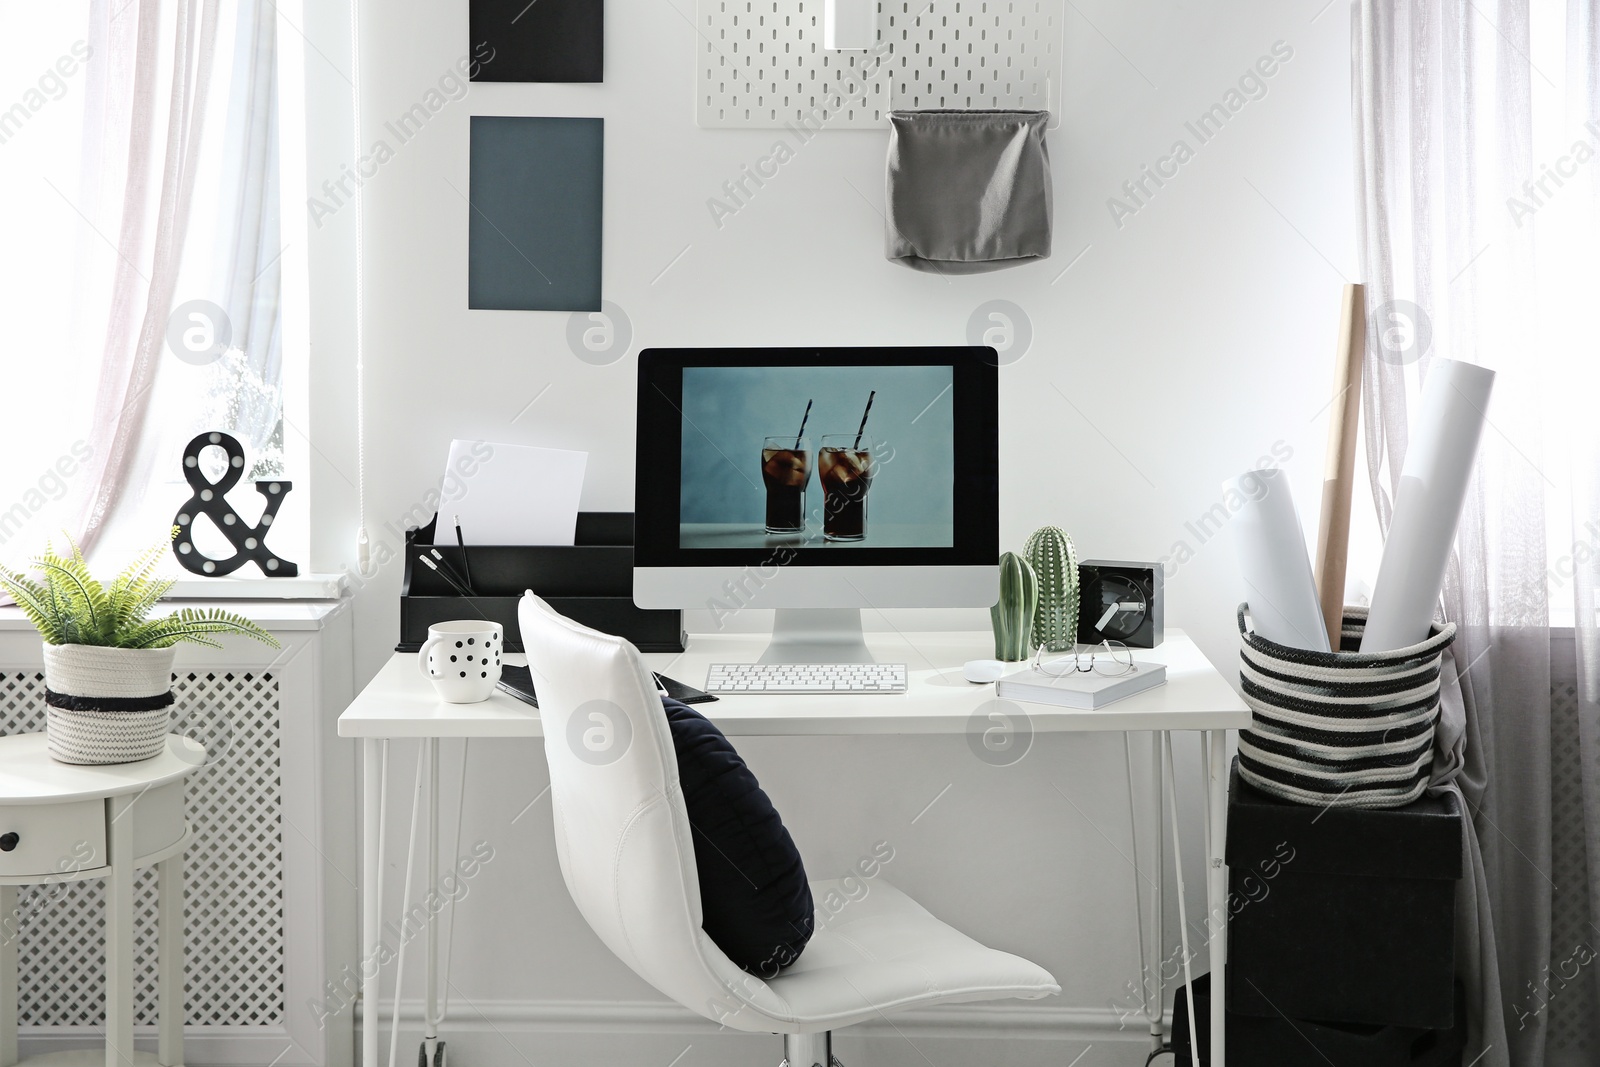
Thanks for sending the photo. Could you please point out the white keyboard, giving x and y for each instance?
(806, 678)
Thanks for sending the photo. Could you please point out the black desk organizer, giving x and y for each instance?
(590, 582)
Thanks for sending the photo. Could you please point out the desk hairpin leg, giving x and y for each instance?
(406, 932)
(374, 780)
(442, 966)
(1216, 753)
(432, 1051)
(1151, 1004)
(1183, 911)
(1158, 912)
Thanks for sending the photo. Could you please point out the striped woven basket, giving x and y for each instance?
(107, 705)
(1340, 729)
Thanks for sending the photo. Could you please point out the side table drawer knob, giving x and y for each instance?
(8, 841)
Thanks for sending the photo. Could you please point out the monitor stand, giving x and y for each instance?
(817, 635)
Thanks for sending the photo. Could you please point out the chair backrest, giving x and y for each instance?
(622, 831)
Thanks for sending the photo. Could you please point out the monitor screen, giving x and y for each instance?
(835, 456)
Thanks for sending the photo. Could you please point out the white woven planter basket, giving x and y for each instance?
(107, 705)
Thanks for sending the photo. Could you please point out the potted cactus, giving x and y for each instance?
(1012, 614)
(1055, 562)
(107, 664)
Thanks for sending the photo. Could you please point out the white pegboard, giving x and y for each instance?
(761, 64)
(234, 936)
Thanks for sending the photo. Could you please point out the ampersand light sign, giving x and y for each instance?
(209, 499)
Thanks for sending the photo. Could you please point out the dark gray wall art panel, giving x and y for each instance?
(533, 240)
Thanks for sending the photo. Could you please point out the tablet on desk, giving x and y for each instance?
(518, 681)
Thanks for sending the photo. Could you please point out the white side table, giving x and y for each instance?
(60, 822)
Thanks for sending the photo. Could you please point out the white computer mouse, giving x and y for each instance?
(982, 671)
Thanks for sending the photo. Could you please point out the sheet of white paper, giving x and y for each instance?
(510, 494)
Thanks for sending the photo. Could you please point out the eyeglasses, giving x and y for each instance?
(1109, 659)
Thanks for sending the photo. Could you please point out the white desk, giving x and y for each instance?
(400, 703)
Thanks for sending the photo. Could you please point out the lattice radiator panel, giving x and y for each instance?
(234, 934)
(761, 63)
(1571, 1026)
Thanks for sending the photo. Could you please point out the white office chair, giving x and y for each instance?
(623, 838)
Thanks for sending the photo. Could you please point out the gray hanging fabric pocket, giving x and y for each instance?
(968, 191)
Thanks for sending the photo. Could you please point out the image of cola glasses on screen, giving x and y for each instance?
(845, 468)
(785, 468)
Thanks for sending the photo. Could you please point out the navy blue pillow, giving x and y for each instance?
(753, 892)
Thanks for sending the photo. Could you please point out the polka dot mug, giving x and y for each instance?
(462, 659)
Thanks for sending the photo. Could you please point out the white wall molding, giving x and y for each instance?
(1005, 1020)
(211, 1046)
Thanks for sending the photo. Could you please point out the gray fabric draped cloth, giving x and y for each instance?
(968, 191)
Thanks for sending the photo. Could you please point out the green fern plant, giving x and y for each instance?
(69, 606)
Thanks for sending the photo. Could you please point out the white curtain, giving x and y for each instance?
(1472, 251)
(180, 175)
(142, 137)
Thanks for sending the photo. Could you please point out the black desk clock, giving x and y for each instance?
(1119, 601)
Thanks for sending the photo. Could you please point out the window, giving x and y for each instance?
(98, 232)
(1558, 207)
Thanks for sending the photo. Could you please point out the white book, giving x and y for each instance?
(1083, 690)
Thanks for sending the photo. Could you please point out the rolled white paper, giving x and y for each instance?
(1279, 585)
(1427, 506)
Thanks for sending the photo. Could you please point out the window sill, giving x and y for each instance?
(303, 602)
(300, 587)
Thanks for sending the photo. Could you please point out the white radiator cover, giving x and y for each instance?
(271, 900)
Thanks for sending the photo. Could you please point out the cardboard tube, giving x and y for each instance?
(1339, 466)
(1272, 559)
(1427, 506)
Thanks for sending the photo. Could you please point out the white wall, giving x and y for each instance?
(1188, 342)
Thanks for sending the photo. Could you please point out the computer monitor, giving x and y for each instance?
(817, 482)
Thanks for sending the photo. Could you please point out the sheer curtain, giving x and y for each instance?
(147, 113)
(180, 176)
(1477, 225)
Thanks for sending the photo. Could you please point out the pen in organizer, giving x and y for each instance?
(445, 567)
(446, 573)
(466, 567)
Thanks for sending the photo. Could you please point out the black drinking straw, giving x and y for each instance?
(860, 429)
(803, 419)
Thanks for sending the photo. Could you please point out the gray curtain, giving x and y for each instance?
(1581, 904)
(1444, 99)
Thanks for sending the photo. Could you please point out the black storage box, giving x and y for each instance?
(1274, 1042)
(590, 582)
(1342, 914)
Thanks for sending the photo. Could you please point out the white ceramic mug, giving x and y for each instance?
(462, 659)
